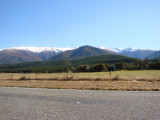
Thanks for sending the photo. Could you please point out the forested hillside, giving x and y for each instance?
(60, 65)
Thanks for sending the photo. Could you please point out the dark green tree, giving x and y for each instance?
(82, 68)
(98, 68)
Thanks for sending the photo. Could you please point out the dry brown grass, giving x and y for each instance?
(92, 81)
(96, 85)
(71, 78)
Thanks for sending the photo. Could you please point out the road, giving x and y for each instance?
(56, 104)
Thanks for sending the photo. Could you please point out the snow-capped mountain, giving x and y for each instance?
(82, 52)
(131, 52)
(155, 55)
(110, 49)
(119, 50)
(40, 49)
(27, 54)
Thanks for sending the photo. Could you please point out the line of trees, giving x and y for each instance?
(138, 65)
(100, 67)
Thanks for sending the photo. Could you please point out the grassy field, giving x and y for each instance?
(120, 80)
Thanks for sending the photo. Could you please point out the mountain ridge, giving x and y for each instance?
(81, 52)
(39, 49)
(155, 55)
(16, 55)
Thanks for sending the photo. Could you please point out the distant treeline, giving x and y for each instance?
(65, 66)
(138, 65)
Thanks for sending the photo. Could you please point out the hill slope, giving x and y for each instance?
(27, 54)
(155, 55)
(110, 59)
(81, 52)
(60, 65)
(17, 56)
(139, 53)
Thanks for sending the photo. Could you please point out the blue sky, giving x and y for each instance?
(72, 23)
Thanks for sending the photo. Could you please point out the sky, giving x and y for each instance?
(73, 23)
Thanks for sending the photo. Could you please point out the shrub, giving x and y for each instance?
(98, 68)
(24, 78)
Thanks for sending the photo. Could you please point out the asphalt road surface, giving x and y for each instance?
(53, 104)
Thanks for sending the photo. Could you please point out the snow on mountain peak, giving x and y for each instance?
(110, 49)
(120, 50)
(130, 49)
(59, 50)
(41, 49)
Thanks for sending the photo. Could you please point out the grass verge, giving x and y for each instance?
(121, 80)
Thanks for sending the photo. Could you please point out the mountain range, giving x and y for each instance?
(17, 55)
(81, 52)
(155, 55)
